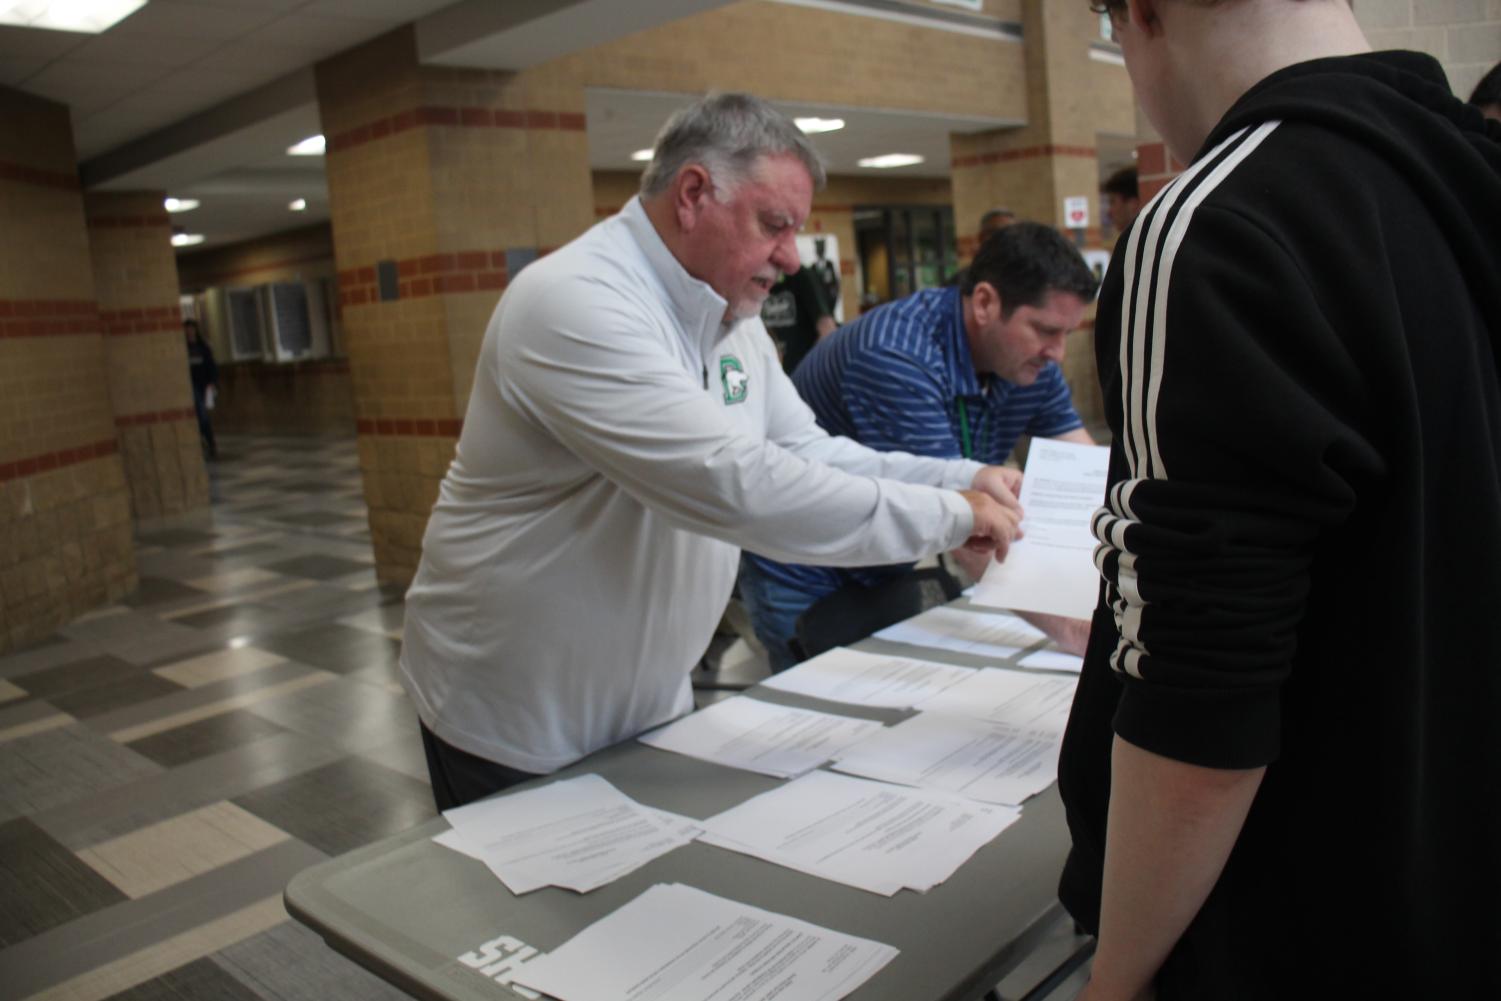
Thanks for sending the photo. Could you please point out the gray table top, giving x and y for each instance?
(407, 909)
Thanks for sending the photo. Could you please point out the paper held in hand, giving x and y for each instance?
(1052, 569)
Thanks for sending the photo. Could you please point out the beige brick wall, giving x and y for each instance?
(135, 283)
(1463, 35)
(65, 530)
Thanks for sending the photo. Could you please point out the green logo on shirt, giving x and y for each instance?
(732, 375)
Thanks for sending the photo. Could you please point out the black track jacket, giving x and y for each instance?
(1301, 542)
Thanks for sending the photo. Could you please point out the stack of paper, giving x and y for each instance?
(991, 762)
(676, 943)
(983, 634)
(865, 834)
(578, 834)
(1052, 660)
(1051, 569)
(1027, 701)
(869, 679)
(761, 737)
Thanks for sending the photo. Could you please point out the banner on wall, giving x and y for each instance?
(820, 251)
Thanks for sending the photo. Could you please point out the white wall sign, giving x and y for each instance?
(1076, 212)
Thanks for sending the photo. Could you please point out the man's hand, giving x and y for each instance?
(1001, 482)
(995, 525)
(973, 564)
(1071, 635)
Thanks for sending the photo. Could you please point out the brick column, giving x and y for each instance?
(65, 534)
(1032, 169)
(135, 283)
(442, 183)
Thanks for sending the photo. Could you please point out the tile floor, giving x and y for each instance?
(168, 764)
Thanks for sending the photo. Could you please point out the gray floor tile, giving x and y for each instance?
(200, 980)
(333, 647)
(44, 885)
(315, 519)
(48, 769)
(90, 672)
(291, 963)
(317, 567)
(157, 591)
(206, 737)
(342, 713)
(343, 805)
(115, 695)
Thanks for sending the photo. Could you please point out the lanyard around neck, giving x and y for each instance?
(966, 445)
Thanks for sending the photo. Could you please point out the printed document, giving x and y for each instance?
(868, 679)
(990, 762)
(1052, 660)
(984, 634)
(761, 737)
(579, 834)
(1052, 568)
(870, 835)
(677, 943)
(1023, 700)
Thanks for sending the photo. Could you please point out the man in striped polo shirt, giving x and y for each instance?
(956, 372)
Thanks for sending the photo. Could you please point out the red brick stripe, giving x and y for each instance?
(458, 117)
(48, 317)
(23, 174)
(157, 417)
(1027, 153)
(160, 219)
(35, 464)
(116, 323)
(415, 427)
(435, 274)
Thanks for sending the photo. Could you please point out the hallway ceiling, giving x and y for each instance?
(201, 98)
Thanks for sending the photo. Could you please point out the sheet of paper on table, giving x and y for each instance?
(1052, 660)
(984, 634)
(1019, 698)
(678, 943)
(990, 762)
(1052, 569)
(871, 835)
(579, 834)
(868, 679)
(761, 737)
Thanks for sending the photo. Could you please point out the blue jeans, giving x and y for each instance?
(774, 608)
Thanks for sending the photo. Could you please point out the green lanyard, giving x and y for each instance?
(966, 447)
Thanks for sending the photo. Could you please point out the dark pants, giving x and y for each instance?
(460, 777)
(205, 425)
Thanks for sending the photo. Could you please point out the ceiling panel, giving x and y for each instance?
(116, 48)
(36, 44)
(329, 34)
(399, 11)
(177, 19)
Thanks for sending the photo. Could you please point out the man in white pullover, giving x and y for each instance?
(629, 430)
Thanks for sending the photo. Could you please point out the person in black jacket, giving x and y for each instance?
(1282, 765)
(205, 377)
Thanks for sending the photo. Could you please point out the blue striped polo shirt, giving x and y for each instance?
(901, 378)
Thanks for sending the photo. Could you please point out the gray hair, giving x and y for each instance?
(727, 134)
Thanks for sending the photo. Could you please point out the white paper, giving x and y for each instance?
(868, 679)
(870, 835)
(983, 634)
(677, 943)
(1052, 660)
(579, 834)
(987, 761)
(761, 737)
(1052, 569)
(1023, 700)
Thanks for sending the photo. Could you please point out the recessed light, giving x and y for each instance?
(297, 204)
(90, 16)
(180, 204)
(889, 160)
(186, 239)
(311, 146)
(815, 125)
(641, 155)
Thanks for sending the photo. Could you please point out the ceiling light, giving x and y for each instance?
(311, 146)
(91, 16)
(889, 160)
(814, 125)
(641, 155)
(180, 204)
(186, 239)
(297, 204)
